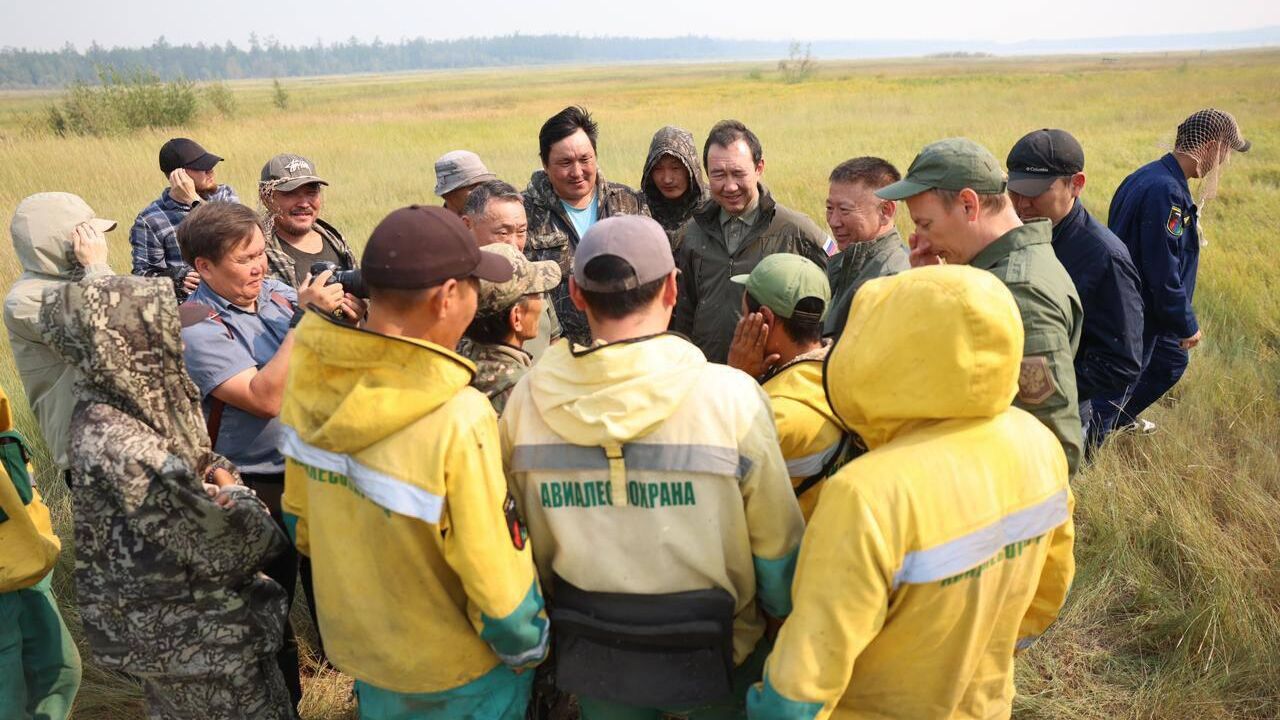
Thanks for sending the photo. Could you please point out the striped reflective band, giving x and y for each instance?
(968, 551)
(710, 459)
(388, 492)
(811, 464)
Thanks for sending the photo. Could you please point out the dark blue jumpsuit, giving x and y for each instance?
(1152, 212)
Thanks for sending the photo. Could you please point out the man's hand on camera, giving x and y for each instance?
(315, 294)
(89, 245)
(353, 308)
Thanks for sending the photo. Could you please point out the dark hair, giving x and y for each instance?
(493, 328)
(563, 124)
(800, 330)
(482, 194)
(872, 172)
(214, 229)
(726, 133)
(617, 305)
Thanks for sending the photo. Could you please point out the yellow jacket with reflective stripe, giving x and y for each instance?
(395, 483)
(642, 468)
(807, 430)
(28, 547)
(948, 544)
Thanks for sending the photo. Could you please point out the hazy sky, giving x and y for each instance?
(52, 23)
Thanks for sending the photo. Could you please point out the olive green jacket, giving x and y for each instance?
(708, 307)
(1052, 317)
(855, 265)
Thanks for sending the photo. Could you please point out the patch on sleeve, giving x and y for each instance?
(1035, 380)
(519, 534)
(1175, 225)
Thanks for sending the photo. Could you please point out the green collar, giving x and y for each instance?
(1036, 232)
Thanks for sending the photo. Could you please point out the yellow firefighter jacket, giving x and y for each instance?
(642, 468)
(948, 544)
(808, 432)
(423, 579)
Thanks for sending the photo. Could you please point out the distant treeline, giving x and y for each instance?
(269, 58)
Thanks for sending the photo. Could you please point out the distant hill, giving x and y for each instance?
(21, 68)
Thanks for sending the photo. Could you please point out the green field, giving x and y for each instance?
(1176, 608)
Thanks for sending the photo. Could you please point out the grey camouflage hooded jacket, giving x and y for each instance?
(672, 214)
(552, 237)
(168, 580)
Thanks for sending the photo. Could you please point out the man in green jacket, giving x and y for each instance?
(729, 236)
(869, 243)
(956, 193)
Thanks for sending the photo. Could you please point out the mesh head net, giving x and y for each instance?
(1209, 137)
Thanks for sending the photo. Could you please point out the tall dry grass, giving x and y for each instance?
(1176, 608)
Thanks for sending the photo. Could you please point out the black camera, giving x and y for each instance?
(350, 280)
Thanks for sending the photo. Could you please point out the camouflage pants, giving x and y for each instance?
(254, 690)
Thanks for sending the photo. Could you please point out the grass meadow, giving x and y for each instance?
(1175, 612)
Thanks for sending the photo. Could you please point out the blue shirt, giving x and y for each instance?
(1110, 354)
(586, 217)
(1153, 214)
(217, 350)
(154, 236)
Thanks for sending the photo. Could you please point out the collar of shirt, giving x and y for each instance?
(1170, 163)
(1070, 221)
(205, 294)
(1031, 233)
(746, 217)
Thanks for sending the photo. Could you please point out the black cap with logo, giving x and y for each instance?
(1041, 157)
(185, 153)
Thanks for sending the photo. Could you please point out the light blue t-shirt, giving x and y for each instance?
(586, 217)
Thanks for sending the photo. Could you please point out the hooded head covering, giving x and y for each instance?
(122, 333)
(936, 343)
(678, 143)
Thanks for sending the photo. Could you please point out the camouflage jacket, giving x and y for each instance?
(672, 214)
(552, 237)
(498, 369)
(854, 266)
(167, 579)
(280, 264)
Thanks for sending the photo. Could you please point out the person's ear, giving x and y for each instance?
(448, 295)
(888, 210)
(575, 294)
(466, 220)
(970, 205)
(768, 315)
(202, 266)
(760, 167)
(670, 289)
(1077, 184)
(515, 317)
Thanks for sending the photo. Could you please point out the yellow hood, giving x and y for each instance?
(801, 382)
(934, 343)
(400, 381)
(617, 392)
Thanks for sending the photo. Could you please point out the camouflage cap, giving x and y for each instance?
(527, 278)
(953, 164)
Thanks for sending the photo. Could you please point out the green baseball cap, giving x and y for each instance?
(780, 281)
(953, 164)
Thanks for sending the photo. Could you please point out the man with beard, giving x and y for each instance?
(154, 237)
(673, 183)
(565, 198)
(297, 238)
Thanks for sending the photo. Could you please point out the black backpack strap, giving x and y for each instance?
(847, 449)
